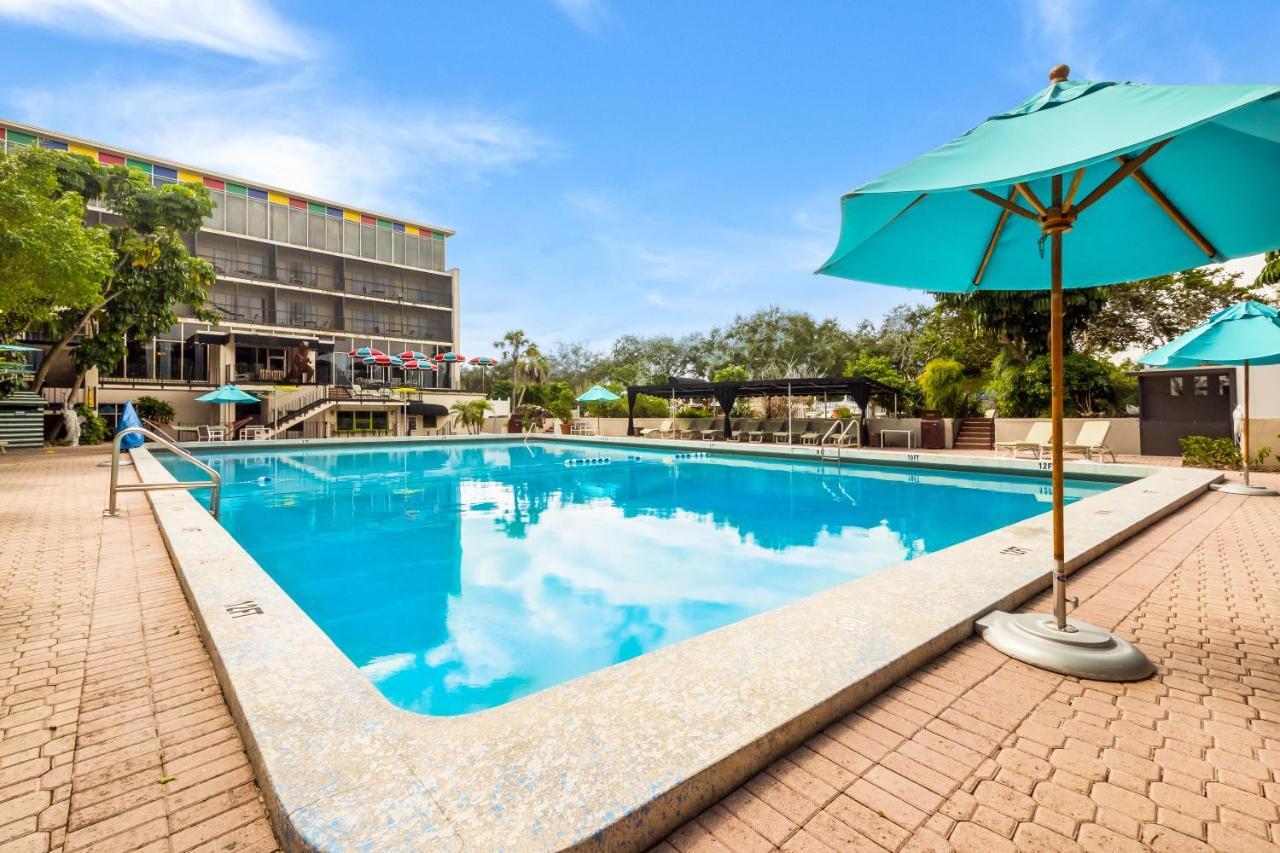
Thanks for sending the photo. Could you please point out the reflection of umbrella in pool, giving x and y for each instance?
(598, 394)
(1138, 180)
(227, 394)
(1242, 334)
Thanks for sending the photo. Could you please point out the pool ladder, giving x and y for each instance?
(214, 482)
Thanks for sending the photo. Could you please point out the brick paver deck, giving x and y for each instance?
(975, 752)
(113, 732)
(114, 735)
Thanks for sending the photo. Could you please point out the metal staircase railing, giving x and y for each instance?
(214, 482)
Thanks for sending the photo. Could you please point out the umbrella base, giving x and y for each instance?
(1242, 489)
(1087, 652)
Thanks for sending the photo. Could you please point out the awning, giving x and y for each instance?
(433, 410)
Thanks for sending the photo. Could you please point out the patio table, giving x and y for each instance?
(908, 433)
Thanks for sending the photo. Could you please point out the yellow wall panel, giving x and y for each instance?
(411, 229)
(276, 198)
(81, 149)
(189, 177)
(351, 215)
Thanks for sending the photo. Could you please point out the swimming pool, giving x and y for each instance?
(459, 577)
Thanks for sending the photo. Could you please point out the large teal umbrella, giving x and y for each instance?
(1243, 334)
(227, 394)
(1086, 183)
(598, 394)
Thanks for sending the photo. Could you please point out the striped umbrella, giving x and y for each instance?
(484, 361)
(383, 360)
(414, 355)
(365, 352)
(450, 357)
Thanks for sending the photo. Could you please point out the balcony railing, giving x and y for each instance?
(355, 284)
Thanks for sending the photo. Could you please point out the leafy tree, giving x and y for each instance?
(577, 364)
(500, 389)
(1018, 321)
(1092, 386)
(48, 258)
(470, 414)
(773, 343)
(151, 271)
(640, 360)
(1149, 313)
(943, 385)
(1270, 273)
(731, 373)
(154, 409)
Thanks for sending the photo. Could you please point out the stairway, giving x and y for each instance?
(976, 434)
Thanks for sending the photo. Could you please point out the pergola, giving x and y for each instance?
(857, 388)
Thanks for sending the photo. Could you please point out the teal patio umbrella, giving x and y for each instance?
(227, 394)
(1243, 334)
(1084, 184)
(598, 394)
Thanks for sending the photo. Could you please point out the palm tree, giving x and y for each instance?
(512, 345)
(534, 367)
(470, 413)
(1270, 273)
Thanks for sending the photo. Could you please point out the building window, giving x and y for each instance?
(297, 226)
(333, 234)
(217, 218)
(1224, 385)
(368, 237)
(168, 360)
(1175, 386)
(362, 421)
(1200, 386)
(398, 247)
(257, 218)
(235, 214)
(110, 412)
(350, 237)
(316, 230)
(411, 251)
(280, 223)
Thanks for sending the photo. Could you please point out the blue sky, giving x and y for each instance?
(611, 167)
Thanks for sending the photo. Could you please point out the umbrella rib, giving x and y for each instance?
(995, 238)
(1007, 205)
(1030, 197)
(1172, 211)
(1075, 185)
(1125, 170)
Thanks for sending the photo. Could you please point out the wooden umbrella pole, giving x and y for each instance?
(1055, 229)
(1244, 430)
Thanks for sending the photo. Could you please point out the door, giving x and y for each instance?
(1174, 405)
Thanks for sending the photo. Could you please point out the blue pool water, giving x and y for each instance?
(460, 577)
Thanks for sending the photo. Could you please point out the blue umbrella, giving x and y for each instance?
(598, 394)
(1243, 334)
(227, 394)
(1085, 183)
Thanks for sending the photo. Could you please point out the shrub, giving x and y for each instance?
(153, 409)
(694, 412)
(843, 412)
(94, 428)
(1200, 451)
(943, 385)
(562, 405)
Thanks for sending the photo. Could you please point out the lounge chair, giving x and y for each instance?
(4, 445)
(742, 429)
(781, 434)
(1092, 439)
(814, 430)
(714, 431)
(764, 428)
(849, 432)
(692, 428)
(1040, 433)
(657, 432)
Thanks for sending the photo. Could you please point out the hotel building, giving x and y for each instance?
(292, 268)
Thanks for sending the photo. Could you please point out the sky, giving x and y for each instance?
(610, 167)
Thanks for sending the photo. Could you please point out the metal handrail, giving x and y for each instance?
(214, 482)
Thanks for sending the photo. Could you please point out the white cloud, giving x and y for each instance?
(587, 15)
(298, 134)
(245, 28)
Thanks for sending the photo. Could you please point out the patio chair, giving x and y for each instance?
(234, 426)
(217, 432)
(781, 434)
(742, 429)
(1092, 439)
(657, 432)
(1040, 433)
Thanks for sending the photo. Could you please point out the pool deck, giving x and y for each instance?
(106, 692)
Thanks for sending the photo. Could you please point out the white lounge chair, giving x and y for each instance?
(1041, 433)
(1092, 439)
(656, 432)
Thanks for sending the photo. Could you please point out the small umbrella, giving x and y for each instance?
(450, 357)
(1086, 183)
(414, 355)
(365, 352)
(598, 394)
(227, 394)
(383, 360)
(483, 361)
(1243, 334)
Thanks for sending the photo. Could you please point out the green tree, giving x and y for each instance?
(773, 343)
(943, 385)
(1092, 386)
(1270, 273)
(48, 258)
(151, 271)
(1149, 313)
(731, 373)
(1018, 321)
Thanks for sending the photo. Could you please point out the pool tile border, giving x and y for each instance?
(621, 756)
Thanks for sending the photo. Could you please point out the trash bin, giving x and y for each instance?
(933, 436)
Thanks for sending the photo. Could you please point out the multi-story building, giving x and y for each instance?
(292, 269)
